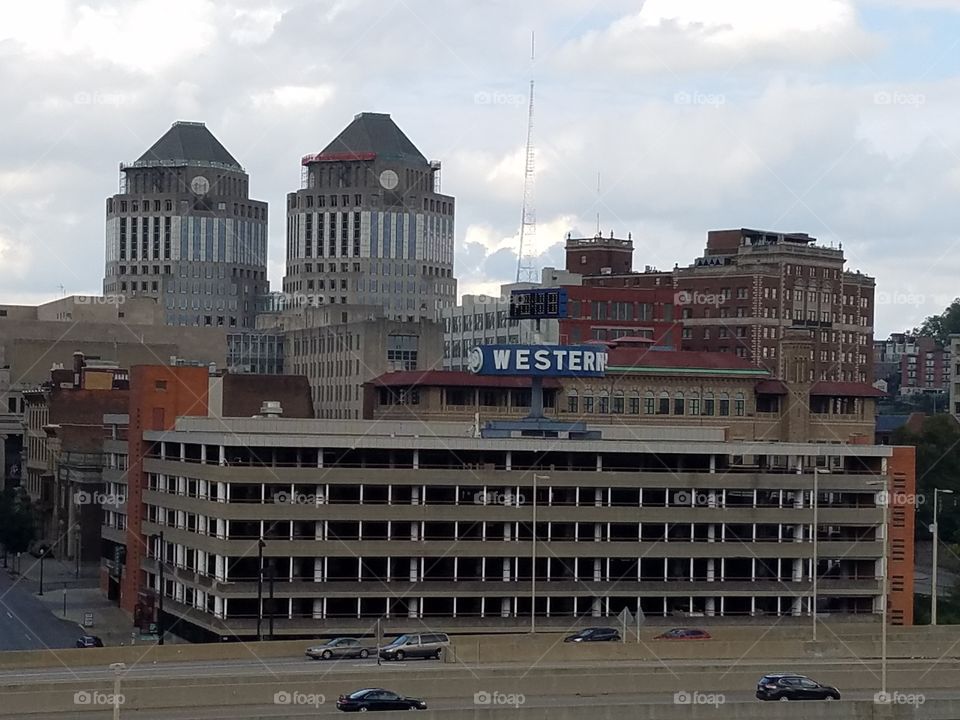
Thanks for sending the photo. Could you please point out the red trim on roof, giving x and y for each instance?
(846, 389)
(693, 359)
(771, 387)
(453, 378)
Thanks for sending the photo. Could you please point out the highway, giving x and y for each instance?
(26, 624)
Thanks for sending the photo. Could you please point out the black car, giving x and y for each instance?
(790, 686)
(603, 634)
(378, 699)
(87, 641)
(684, 634)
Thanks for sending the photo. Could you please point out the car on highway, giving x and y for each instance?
(597, 634)
(338, 648)
(791, 686)
(684, 634)
(418, 645)
(88, 641)
(378, 699)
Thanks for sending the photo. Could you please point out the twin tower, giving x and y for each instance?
(368, 226)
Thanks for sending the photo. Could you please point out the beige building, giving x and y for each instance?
(652, 387)
(341, 347)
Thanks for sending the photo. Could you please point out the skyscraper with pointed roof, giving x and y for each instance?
(369, 225)
(184, 230)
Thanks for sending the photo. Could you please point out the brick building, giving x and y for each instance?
(748, 288)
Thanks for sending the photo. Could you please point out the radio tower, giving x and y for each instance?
(528, 224)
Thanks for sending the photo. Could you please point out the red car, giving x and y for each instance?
(684, 634)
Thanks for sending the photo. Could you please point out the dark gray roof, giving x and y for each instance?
(376, 133)
(188, 143)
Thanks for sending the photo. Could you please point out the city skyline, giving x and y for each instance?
(849, 136)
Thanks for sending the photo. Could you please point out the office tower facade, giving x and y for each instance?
(369, 226)
(184, 231)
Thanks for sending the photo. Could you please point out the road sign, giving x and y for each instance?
(88, 619)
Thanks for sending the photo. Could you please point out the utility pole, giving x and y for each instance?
(260, 546)
(43, 554)
(273, 572)
(159, 557)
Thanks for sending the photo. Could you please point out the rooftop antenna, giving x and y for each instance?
(528, 223)
(598, 203)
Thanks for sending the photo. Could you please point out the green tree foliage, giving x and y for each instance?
(943, 325)
(938, 466)
(17, 526)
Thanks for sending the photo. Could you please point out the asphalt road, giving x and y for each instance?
(26, 624)
(328, 708)
(365, 670)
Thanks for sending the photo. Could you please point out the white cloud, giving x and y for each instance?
(293, 96)
(677, 36)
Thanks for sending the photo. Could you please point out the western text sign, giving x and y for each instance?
(543, 360)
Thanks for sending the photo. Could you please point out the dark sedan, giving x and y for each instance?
(378, 699)
(594, 635)
(788, 686)
(87, 641)
(684, 634)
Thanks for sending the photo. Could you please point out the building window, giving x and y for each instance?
(618, 403)
(724, 404)
(663, 406)
(739, 408)
(648, 404)
(708, 404)
(678, 405)
(634, 404)
(588, 404)
(604, 404)
(573, 403)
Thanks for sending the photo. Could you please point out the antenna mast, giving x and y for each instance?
(528, 225)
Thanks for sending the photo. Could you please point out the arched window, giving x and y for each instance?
(708, 403)
(588, 404)
(634, 406)
(724, 404)
(604, 403)
(663, 406)
(573, 402)
(739, 405)
(618, 402)
(678, 404)
(693, 406)
(648, 404)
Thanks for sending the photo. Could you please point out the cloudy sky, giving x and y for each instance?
(832, 117)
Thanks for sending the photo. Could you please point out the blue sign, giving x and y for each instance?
(538, 303)
(539, 360)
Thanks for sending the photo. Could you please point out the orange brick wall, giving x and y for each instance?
(902, 471)
(158, 396)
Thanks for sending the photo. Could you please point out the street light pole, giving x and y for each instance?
(260, 545)
(43, 554)
(813, 568)
(935, 528)
(160, 558)
(272, 575)
(886, 499)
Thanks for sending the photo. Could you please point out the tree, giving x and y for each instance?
(941, 326)
(17, 526)
(938, 466)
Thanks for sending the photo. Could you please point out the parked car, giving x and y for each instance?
(87, 641)
(684, 634)
(378, 699)
(338, 648)
(790, 686)
(423, 645)
(601, 634)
